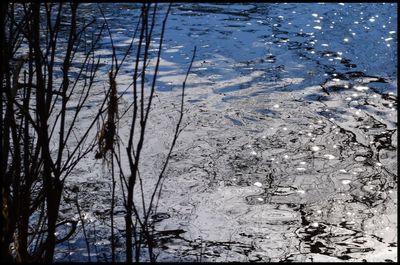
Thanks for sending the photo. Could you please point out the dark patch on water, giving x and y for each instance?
(267, 112)
(234, 121)
(158, 217)
(316, 97)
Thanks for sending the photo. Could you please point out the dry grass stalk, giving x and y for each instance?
(106, 135)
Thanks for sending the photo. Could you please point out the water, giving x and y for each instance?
(290, 146)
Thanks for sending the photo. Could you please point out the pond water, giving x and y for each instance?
(290, 147)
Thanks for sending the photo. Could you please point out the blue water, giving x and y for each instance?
(307, 40)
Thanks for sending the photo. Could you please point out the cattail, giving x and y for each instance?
(107, 133)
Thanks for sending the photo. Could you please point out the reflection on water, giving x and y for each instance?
(297, 107)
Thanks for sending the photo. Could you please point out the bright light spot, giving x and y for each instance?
(378, 164)
(253, 153)
(329, 156)
(319, 211)
(372, 19)
(284, 128)
(324, 44)
(315, 148)
(300, 169)
(301, 191)
(345, 39)
(354, 102)
(286, 156)
(318, 27)
(388, 39)
(343, 170)
(314, 15)
(348, 98)
(346, 181)
(258, 184)
(260, 199)
(315, 224)
(276, 106)
(361, 88)
(302, 163)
